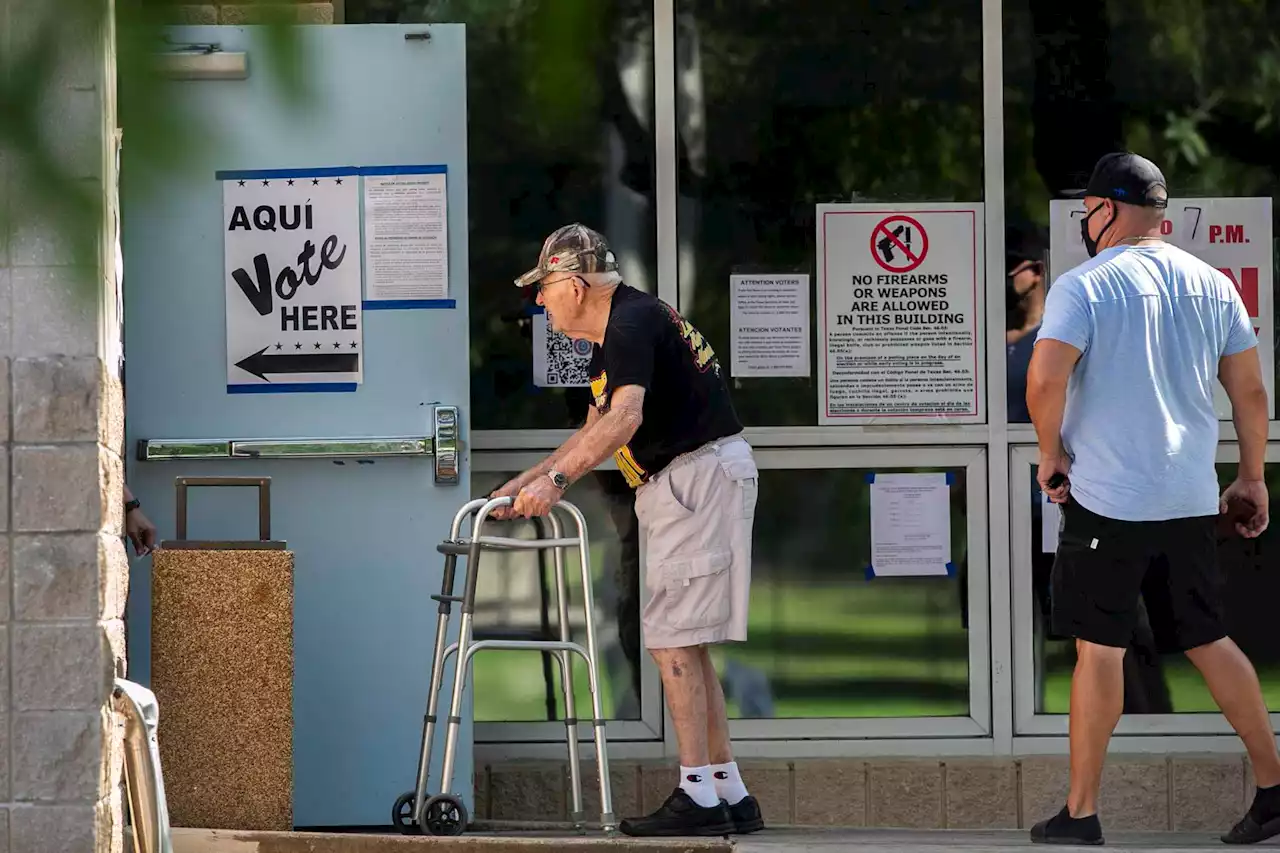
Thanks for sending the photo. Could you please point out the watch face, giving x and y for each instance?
(560, 480)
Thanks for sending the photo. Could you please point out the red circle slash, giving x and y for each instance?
(891, 245)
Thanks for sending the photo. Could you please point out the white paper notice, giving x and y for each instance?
(910, 525)
(1231, 234)
(292, 272)
(558, 361)
(1050, 516)
(406, 237)
(900, 314)
(770, 325)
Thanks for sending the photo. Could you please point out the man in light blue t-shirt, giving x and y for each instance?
(1120, 390)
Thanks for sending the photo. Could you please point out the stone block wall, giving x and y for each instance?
(233, 13)
(63, 569)
(1206, 793)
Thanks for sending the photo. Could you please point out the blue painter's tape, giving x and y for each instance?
(267, 174)
(871, 573)
(951, 570)
(294, 388)
(871, 476)
(408, 304)
(951, 478)
(436, 169)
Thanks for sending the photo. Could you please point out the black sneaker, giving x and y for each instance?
(680, 815)
(1261, 822)
(1062, 828)
(746, 816)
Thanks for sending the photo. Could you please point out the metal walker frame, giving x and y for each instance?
(444, 813)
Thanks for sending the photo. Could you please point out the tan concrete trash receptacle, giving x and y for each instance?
(222, 672)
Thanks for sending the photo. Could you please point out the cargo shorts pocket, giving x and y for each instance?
(697, 589)
(744, 479)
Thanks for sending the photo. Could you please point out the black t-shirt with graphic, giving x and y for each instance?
(686, 401)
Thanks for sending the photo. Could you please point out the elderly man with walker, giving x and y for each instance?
(661, 409)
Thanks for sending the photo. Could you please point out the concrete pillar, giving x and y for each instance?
(63, 569)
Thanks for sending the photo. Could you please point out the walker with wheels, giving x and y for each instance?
(419, 812)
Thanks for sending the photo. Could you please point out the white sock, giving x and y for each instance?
(728, 781)
(698, 784)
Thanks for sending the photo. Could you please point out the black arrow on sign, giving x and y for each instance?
(260, 364)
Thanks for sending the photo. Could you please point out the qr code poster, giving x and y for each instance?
(558, 361)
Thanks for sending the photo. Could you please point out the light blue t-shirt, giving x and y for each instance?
(1152, 322)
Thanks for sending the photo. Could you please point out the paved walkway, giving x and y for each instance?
(950, 841)
(769, 841)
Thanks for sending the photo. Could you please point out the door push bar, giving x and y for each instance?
(443, 446)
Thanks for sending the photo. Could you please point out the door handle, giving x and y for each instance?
(161, 449)
(445, 445)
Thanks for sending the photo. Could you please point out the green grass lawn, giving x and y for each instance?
(857, 649)
(1186, 687)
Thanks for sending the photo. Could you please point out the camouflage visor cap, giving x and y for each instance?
(573, 248)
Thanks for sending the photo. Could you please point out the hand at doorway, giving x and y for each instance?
(141, 532)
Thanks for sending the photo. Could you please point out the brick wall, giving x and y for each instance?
(1196, 793)
(63, 570)
(246, 13)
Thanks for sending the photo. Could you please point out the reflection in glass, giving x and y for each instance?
(559, 129)
(1192, 86)
(781, 107)
(515, 599)
(823, 640)
(1157, 684)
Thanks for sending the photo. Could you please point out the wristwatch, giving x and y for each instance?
(130, 506)
(561, 481)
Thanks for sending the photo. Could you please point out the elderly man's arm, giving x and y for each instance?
(513, 486)
(612, 431)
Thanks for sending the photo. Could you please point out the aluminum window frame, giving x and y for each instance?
(1028, 721)
(647, 728)
(982, 447)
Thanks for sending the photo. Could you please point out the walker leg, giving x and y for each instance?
(576, 813)
(461, 664)
(433, 708)
(437, 677)
(607, 818)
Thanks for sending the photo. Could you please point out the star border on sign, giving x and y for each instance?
(291, 182)
(266, 183)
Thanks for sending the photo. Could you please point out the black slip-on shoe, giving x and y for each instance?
(1062, 828)
(746, 816)
(1253, 827)
(680, 815)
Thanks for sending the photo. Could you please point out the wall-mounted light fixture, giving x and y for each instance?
(204, 62)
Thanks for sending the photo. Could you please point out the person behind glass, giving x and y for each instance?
(661, 409)
(1121, 394)
(1024, 306)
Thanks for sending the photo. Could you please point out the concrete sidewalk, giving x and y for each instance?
(769, 841)
(951, 841)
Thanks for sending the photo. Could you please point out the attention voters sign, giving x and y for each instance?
(293, 280)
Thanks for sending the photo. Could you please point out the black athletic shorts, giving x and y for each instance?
(1103, 565)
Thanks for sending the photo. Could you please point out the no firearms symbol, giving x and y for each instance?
(899, 243)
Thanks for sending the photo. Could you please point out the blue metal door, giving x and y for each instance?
(363, 530)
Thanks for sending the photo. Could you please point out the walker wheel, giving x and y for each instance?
(402, 814)
(443, 814)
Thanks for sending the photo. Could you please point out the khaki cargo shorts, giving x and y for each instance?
(696, 517)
